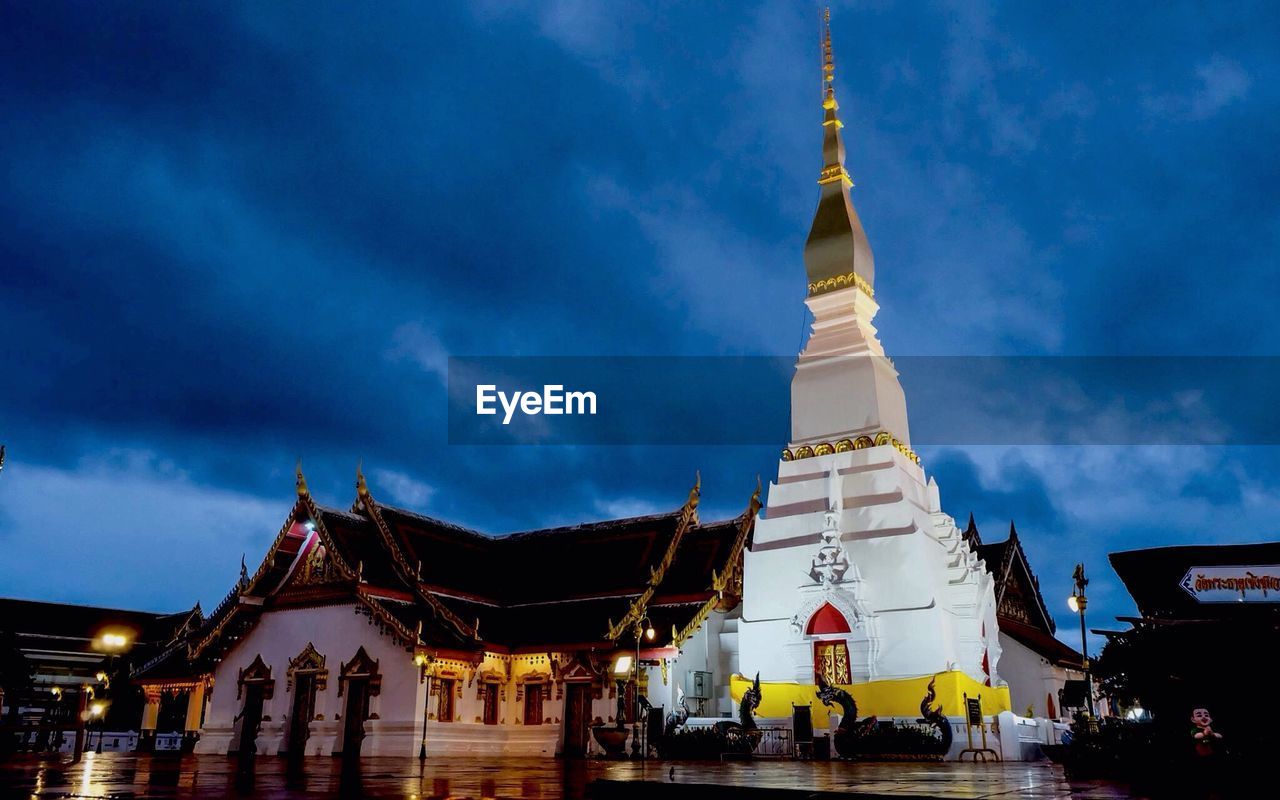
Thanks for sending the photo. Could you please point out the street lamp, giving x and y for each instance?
(424, 662)
(1078, 602)
(96, 711)
(644, 632)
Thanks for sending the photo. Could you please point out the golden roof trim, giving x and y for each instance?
(688, 518)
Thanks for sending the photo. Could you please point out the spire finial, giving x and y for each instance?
(828, 61)
(836, 254)
(362, 488)
(302, 481)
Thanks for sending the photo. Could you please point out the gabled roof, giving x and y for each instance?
(433, 584)
(1020, 609)
(1017, 588)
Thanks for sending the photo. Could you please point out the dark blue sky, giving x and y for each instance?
(230, 235)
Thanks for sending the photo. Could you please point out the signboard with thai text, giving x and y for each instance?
(1253, 584)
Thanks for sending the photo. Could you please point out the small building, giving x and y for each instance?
(1208, 621)
(1033, 661)
(79, 659)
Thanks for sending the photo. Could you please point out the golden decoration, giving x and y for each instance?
(841, 281)
(688, 518)
(845, 445)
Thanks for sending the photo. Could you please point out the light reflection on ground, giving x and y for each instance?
(125, 775)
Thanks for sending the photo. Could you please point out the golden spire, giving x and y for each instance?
(828, 64)
(302, 481)
(837, 254)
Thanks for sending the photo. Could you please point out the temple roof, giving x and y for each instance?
(436, 585)
(78, 627)
(1020, 608)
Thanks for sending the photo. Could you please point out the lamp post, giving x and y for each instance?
(424, 662)
(97, 711)
(1078, 602)
(644, 628)
(113, 642)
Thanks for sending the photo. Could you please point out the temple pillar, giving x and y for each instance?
(150, 718)
(195, 714)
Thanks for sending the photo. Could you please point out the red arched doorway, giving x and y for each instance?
(830, 656)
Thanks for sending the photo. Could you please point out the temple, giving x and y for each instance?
(379, 631)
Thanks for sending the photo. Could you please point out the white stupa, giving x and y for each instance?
(854, 570)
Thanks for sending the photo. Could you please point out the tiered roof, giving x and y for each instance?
(441, 587)
(1020, 609)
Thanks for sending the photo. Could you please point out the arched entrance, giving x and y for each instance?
(306, 676)
(831, 650)
(359, 680)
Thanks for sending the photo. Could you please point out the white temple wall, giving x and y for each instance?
(336, 632)
(1031, 678)
(700, 653)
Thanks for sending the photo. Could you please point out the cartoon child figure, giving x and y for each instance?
(1206, 738)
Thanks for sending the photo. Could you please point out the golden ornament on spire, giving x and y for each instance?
(828, 61)
(302, 481)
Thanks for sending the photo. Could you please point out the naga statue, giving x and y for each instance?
(937, 719)
(850, 730)
(677, 718)
(743, 736)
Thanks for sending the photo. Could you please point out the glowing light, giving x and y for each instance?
(420, 659)
(649, 633)
(1073, 603)
(101, 676)
(114, 641)
(96, 709)
(623, 666)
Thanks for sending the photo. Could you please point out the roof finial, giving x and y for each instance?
(302, 481)
(362, 488)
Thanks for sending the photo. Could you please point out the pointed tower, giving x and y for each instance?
(854, 573)
(836, 253)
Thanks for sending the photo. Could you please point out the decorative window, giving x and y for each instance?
(308, 662)
(444, 706)
(492, 694)
(257, 673)
(360, 667)
(533, 704)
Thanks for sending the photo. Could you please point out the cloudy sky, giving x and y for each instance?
(230, 236)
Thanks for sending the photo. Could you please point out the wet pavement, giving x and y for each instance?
(129, 776)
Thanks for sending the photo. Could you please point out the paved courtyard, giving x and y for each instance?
(127, 776)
